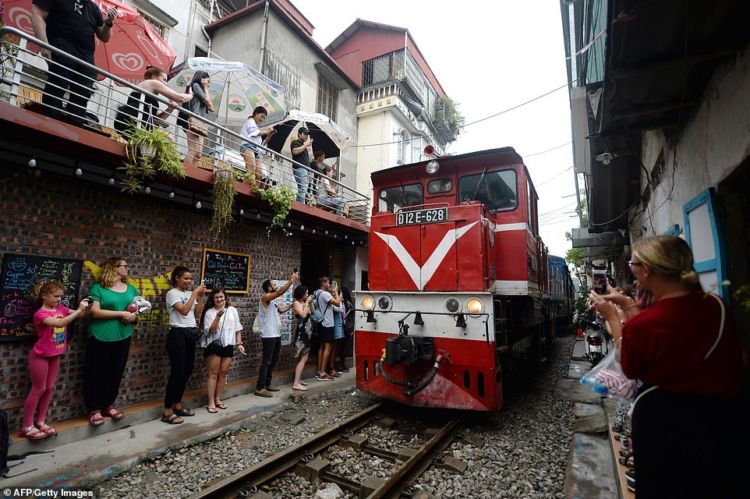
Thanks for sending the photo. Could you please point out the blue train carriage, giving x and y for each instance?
(561, 293)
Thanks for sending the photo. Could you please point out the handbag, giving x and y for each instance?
(197, 126)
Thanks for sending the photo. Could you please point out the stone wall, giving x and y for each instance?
(65, 218)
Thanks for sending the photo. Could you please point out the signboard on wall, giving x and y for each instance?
(18, 275)
(227, 269)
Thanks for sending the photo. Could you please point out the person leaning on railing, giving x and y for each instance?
(70, 25)
(131, 113)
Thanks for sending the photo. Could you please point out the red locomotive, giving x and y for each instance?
(455, 305)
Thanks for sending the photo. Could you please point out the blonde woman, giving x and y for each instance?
(689, 437)
(110, 330)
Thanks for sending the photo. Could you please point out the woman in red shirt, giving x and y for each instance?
(688, 430)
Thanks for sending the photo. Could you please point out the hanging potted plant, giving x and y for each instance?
(280, 198)
(149, 152)
(223, 199)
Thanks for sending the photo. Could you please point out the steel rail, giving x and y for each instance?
(418, 463)
(287, 459)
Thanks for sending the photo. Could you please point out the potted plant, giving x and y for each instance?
(280, 198)
(223, 198)
(149, 152)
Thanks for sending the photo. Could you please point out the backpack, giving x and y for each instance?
(4, 442)
(318, 315)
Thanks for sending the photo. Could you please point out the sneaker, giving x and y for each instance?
(344, 370)
(323, 377)
(334, 374)
(263, 393)
(272, 389)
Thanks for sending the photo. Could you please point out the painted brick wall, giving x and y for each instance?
(63, 218)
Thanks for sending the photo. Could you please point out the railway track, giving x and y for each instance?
(305, 460)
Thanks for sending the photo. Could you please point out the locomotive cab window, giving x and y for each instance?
(439, 186)
(496, 190)
(402, 196)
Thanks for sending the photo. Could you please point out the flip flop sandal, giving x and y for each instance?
(47, 429)
(114, 413)
(183, 411)
(32, 433)
(222, 405)
(96, 418)
(212, 410)
(172, 419)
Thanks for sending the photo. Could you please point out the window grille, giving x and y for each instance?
(328, 98)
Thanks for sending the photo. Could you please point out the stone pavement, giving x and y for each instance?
(591, 472)
(82, 454)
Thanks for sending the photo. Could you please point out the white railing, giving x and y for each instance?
(23, 82)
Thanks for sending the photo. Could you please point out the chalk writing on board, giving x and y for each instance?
(18, 275)
(226, 269)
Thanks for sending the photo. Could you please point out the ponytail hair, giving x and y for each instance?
(669, 256)
(177, 273)
(44, 287)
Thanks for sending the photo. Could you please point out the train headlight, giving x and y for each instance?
(384, 303)
(452, 305)
(368, 302)
(474, 307)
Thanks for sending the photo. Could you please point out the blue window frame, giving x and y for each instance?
(704, 237)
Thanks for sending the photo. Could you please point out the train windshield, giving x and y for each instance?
(496, 190)
(402, 196)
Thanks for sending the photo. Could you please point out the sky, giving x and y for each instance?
(489, 56)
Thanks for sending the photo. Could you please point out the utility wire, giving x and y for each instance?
(480, 120)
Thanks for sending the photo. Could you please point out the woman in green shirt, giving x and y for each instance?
(110, 329)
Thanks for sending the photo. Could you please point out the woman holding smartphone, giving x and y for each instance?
(183, 305)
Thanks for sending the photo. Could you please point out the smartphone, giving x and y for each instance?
(334, 285)
(600, 282)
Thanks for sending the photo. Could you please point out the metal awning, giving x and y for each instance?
(660, 55)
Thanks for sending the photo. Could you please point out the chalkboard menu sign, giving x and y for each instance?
(18, 275)
(226, 269)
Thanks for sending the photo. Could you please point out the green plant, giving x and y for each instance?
(149, 152)
(223, 201)
(280, 198)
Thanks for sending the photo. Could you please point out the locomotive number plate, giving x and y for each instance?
(431, 216)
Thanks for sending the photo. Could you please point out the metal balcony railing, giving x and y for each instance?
(23, 82)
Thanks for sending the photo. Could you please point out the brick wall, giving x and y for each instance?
(61, 217)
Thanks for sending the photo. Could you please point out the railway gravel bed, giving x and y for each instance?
(181, 472)
(520, 452)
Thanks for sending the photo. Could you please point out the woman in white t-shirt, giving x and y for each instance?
(221, 332)
(183, 305)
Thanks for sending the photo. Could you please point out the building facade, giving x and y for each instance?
(401, 104)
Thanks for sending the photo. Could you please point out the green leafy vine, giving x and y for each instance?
(280, 198)
(223, 201)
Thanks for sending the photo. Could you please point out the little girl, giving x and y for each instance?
(50, 322)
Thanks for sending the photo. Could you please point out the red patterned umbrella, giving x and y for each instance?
(133, 46)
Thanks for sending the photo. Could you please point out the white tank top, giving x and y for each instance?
(269, 320)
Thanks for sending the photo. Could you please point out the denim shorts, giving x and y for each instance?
(248, 145)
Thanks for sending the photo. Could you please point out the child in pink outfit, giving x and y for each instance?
(50, 322)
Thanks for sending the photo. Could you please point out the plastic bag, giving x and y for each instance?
(139, 305)
(608, 380)
(329, 491)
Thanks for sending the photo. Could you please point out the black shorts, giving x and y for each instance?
(215, 348)
(326, 334)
